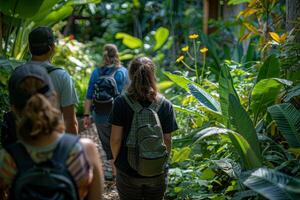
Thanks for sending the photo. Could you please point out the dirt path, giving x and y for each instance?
(110, 191)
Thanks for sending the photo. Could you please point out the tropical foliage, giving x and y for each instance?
(235, 91)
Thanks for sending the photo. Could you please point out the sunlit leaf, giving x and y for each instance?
(56, 15)
(207, 174)
(235, 2)
(161, 36)
(179, 155)
(187, 111)
(245, 37)
(275, 36)
(263, 95)
(129, 41)
(270, 68)
(165, 85)
(247, 155)
(204, 98)
(80, 2)
(250, 27)
(126, 56)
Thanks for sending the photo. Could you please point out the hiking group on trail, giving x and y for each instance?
(42, 156)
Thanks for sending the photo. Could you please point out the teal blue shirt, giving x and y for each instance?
(121, 77)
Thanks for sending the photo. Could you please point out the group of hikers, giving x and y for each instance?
(42, 155)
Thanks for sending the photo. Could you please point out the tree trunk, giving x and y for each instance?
(210, 11)
(292, 17)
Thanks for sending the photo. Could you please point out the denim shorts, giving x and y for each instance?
(132, 188)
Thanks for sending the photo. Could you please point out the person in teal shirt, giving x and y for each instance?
(111, 64)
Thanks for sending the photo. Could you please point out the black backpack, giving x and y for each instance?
(105, 90)
(49, 180)
(8, 125)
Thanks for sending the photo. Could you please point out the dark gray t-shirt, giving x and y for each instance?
(122, 115)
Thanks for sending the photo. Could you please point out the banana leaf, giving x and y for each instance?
(242, 124)
(287, 118)
(273, 185)
(248, 157)
(270, 68)
(225, 89)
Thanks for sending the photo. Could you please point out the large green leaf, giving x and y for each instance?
(225, 89)
(235, 2)
(129, 41)
(291, 93)
(20, 8)
(186, 110)
(44, 10)
(161, 36)
(56, 15)
(242, 123)
(204, 98)
(273, 185)
(270, 68)
(80, 2)
(181, 81)
(263, 95)
(247, 155)
(287, 118)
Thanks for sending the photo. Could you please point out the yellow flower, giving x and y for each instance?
(193, 36)
(180, 58)
(185, 49)
(204, 50)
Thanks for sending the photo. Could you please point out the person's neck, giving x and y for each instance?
(40, 58)
(44, 140)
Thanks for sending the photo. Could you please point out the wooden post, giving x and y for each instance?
(210, 11)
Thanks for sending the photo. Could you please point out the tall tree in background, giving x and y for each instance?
(293, 17)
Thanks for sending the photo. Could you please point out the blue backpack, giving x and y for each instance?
(49, 180)
(105, 90)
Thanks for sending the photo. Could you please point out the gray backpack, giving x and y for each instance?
(147, 153)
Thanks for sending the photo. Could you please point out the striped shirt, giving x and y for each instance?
(77, 163)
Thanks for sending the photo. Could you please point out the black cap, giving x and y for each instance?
(19, 97)
(40, 40)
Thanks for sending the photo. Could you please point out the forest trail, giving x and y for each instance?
(110, 191)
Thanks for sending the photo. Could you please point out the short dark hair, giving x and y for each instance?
(40, 40)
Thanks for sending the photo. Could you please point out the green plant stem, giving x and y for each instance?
(195, 65)
(203, 67)
(190, 56)
(187, 66)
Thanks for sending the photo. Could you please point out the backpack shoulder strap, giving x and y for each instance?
(64, 147)
(114, 71)
(134, 105)
(20, 155)
(156, 105)
(50, 68)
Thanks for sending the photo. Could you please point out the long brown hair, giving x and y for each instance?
(39, 116)
(143, 80)
(111, 55)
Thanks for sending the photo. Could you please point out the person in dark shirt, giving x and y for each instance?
(142, 88)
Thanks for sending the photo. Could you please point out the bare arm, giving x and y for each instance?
(168, 141)
(87, 106)
(96, 187)
(87, 110)
(70, 119)
(116, 140)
